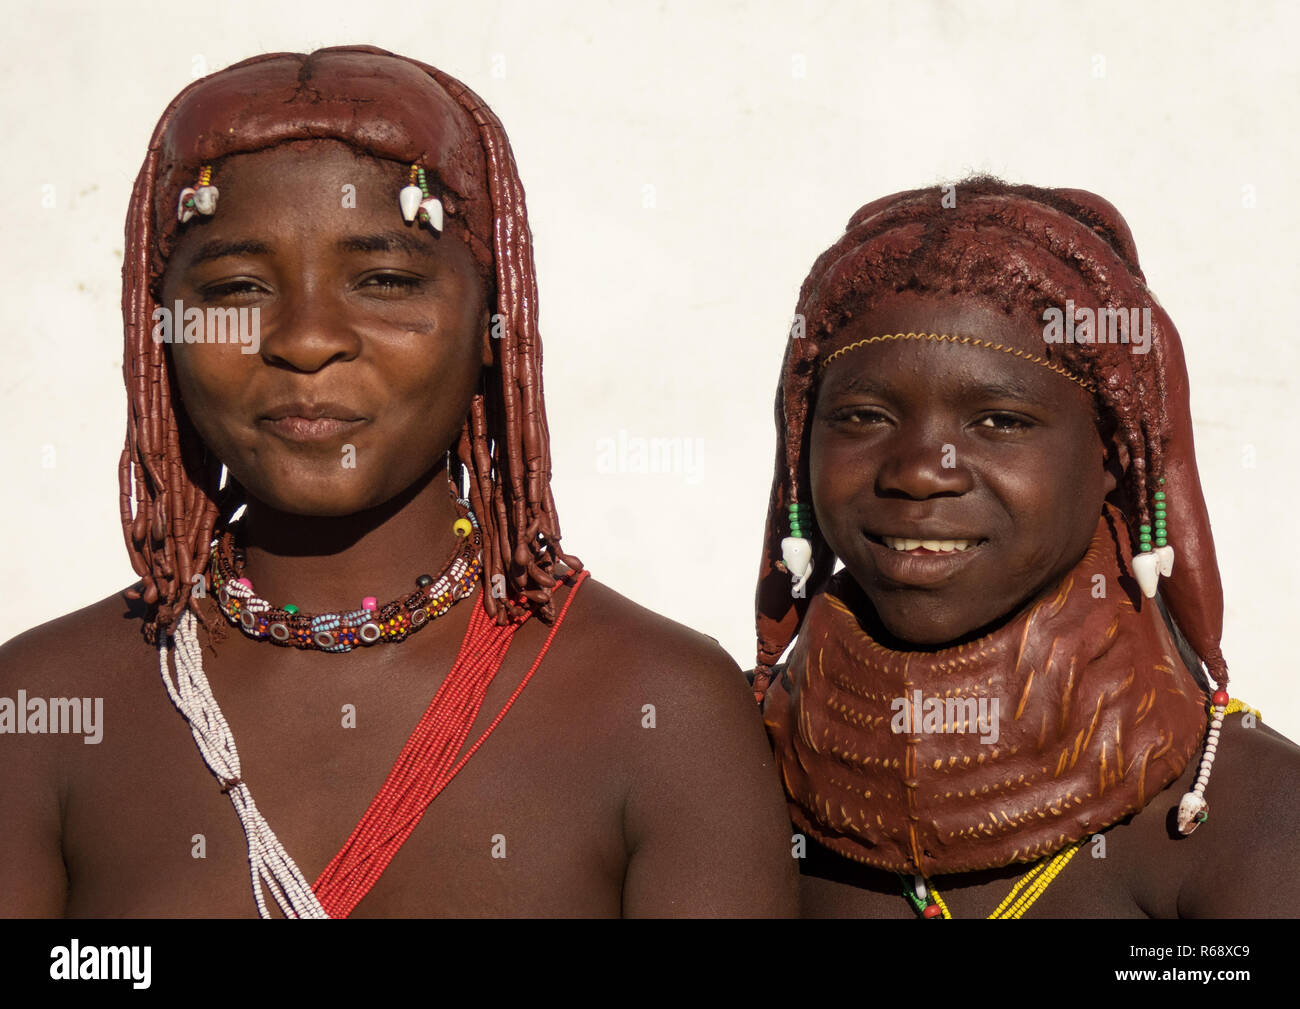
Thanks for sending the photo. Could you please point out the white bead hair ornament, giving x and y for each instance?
(414, 203)
(410, 199)
(432, 213)
(205, 200)
(796, 552)
(197, 200)
(1146, 569)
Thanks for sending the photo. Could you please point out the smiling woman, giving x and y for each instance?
(378, 457)
(1011, 665)
(415, 301)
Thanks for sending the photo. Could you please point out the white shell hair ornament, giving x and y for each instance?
(416, 200)
(200, 199)
(1156, 559)
(796, 552)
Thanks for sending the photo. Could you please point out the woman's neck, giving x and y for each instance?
(328, 563)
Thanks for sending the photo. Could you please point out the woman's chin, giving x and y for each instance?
(905, 626)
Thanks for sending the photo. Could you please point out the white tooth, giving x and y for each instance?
(1166, 555)
(1146, 569)
(947, 544)
(933, 545)
(911, 544)
(961, 544)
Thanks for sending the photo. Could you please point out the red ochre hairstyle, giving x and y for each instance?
(385, 106)
(1018, 248)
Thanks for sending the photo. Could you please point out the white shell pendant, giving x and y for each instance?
(1146, 569)
(409, 200)
(184, 213)
(433, 209)
(1193, 810)
(797, 554)
(1166, 556)
(205, 199)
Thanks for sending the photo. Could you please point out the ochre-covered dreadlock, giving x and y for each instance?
(386, 106)
(1021, 249)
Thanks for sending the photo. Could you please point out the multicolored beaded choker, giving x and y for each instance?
(341, 632)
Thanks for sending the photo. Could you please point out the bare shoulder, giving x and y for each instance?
(1253, 827)
(638, 649)
(90, 647)
(704, 816)
(56, 681)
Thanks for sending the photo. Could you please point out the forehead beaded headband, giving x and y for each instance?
(969, 340)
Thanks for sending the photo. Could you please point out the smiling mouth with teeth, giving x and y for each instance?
(903, 545)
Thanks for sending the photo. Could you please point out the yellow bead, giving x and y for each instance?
(462, 527)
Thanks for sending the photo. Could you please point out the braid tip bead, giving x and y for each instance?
(1193, 811)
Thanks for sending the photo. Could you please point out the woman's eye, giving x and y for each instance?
(230, 289)
(392, 282)
(1005, 422)
(857, 417)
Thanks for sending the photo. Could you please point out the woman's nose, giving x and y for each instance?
(920, 462)
(307, 331)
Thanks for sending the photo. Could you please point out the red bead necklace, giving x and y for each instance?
(428, 760)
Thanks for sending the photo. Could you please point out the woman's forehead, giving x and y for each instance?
(293, 161)
(946, 346)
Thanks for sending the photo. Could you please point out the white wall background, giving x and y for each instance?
(685, 163)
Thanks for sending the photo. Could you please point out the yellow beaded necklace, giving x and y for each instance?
(925, 898)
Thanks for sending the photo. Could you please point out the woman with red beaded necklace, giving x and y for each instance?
(305, 510)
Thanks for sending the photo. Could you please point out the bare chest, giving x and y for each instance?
(528, 826)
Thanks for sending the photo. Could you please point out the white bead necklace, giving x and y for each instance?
(267, 859)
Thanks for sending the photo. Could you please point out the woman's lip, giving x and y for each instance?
(307, 429)
(920, 567)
